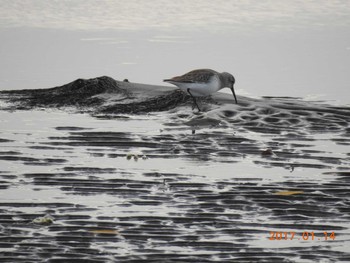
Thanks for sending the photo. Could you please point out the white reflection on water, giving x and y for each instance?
(168, 14)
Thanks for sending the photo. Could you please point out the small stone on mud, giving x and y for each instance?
(44, 220)
(267, 152)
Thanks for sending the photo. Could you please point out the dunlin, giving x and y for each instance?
(203, 82)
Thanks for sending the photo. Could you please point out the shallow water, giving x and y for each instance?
(146, 188)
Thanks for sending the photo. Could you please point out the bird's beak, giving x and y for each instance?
(234, 95)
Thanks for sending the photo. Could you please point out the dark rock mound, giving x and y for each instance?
(80, 92)
(99, 95)
(158, 103)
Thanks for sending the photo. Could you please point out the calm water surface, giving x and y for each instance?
(279, 48)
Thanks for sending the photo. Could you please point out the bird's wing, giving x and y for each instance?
(198, 75)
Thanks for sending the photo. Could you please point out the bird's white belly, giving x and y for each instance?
(200, 89)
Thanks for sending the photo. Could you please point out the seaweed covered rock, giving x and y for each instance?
(99, 95)
(81, 92)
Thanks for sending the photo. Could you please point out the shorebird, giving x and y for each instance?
(203, 82)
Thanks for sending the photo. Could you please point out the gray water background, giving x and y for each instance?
(274, 48)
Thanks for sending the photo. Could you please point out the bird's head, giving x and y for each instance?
(229, 82)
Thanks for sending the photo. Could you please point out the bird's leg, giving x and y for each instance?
(194, 99)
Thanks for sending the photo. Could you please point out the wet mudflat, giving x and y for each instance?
(108, 177)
